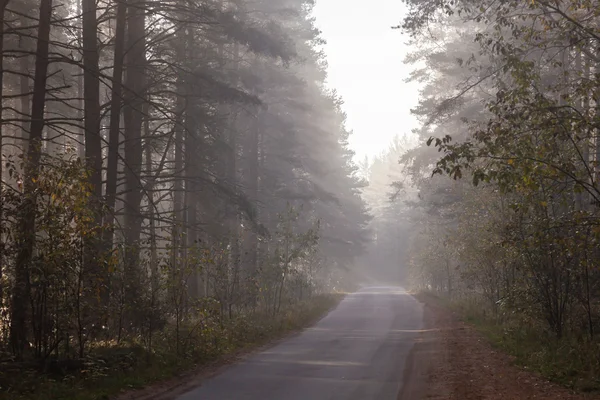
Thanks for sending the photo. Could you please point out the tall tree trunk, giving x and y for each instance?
(232, 181)
(154, 275)
(95, 279)
(596, 123)
(91, 94)
(192, 172)
(191, 205)
(178, 211)
(177, 240)
(3, 4)
(80, 140)
(26, 235)
(262, 246)
(114, 132)
(133, 114)
(25, 99)
(233, 216)
(251, 171)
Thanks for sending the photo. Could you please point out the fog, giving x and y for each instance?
(378, 97)
(167, 162)
(489, 195)
(174, 172)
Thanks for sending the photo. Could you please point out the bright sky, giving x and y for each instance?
(365, 67)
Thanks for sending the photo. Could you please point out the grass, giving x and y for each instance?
(572, 362)
(124, 368)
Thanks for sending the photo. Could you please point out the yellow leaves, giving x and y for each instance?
(511, 161)
(544, 204)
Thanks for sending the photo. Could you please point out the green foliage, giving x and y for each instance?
(64, 221)
(517, 118)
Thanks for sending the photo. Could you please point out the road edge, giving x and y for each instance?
(420, 362)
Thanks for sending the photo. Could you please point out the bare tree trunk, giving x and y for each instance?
(191, 202)
(596, 132)
(251, 171)
(91, 94)
(232, 181)
(81, 137)
(26, 238)
(133, 113)
(3, 4)
(191, 198)
(114, 125)
(177, 241)
(178, 212)
(192, 170)
(95, 278)
(25, 108)
(153, 250)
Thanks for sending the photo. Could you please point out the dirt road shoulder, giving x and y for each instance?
(461, 364)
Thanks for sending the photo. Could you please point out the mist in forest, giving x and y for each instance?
(500, 184)
(168, 165)
(169, 161)
(490, 200)
(183, 178)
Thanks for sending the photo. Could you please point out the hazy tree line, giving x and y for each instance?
(164, 162)
(390, 195)
(509, 113)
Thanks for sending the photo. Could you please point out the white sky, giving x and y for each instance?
(365, 67)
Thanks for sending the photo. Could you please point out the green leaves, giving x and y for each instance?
(526, 134)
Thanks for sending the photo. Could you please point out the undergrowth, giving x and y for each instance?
(108, 371)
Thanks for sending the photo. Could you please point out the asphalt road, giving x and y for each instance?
(357, 352)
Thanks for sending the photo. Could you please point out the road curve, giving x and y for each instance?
(357, 352)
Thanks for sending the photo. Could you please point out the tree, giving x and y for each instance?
(524, 237)
(26, 239)
(215, 173)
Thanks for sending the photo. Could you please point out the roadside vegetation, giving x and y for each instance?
(111, 369)
(570, 363)
(500, 197)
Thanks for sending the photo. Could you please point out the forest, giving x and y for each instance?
(176, 183)
(502, 189)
